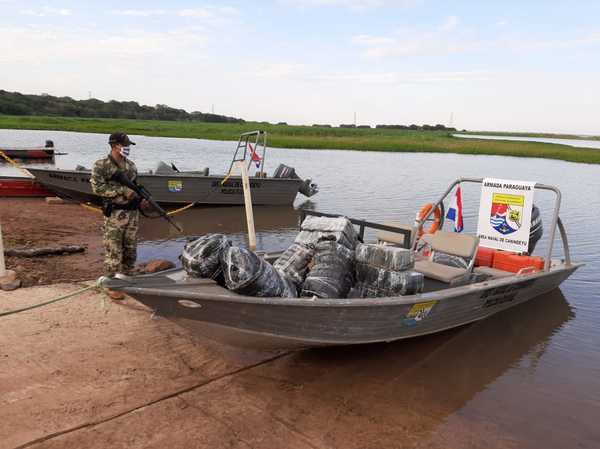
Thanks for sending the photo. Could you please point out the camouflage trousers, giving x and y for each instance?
(120, 241)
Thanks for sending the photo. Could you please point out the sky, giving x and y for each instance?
(480, 65)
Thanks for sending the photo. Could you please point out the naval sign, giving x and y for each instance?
(505, 214)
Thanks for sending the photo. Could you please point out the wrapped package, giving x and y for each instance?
(294, 262)
(383, 270)
(314, 229)
(450, 260)
(332, 274)
(202, 257)
(247, 274)
(373, 282)
(384, 256)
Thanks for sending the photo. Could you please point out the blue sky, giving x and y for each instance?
(529, 66)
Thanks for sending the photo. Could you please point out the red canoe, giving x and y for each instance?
(13, 186)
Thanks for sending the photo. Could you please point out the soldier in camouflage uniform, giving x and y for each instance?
(120, 206)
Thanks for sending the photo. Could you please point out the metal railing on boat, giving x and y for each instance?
(363, 224)
(556, 221)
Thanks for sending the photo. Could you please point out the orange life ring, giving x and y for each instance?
(437, 220)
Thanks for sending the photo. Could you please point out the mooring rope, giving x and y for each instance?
(60, 298)
(15, 164)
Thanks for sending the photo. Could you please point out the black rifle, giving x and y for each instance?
(141, 191)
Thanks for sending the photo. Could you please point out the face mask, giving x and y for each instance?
(124, 151)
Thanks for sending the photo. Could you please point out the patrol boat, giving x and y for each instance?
(169, 186)
(452, 296)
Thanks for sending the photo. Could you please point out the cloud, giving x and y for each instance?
(406, 78)
(281, 70)
(139, 12)
(368, 40)
(357, 5)
(450, 24)
(39, 45)
(311, 74)
(46, 11)
(443, 39)
(215, 14)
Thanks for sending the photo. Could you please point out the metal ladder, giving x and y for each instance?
(258, 138)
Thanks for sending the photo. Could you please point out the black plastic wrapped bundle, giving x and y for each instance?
(450, 260)
(386, 257)
(332, 274)
(294, 262)
(375, 282)
(247, 274)
(315, 228)
(202, 257)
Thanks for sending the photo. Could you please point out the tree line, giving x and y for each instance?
(15, 103)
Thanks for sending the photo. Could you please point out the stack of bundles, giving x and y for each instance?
(386, 271)
(339, 229)
(201, 258)
(294, 262)
(247, 274)
(332, 274)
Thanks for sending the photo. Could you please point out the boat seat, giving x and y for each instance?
(450, 243)
(394, 238)
(493, 273)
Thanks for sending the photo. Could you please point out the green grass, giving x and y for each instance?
(283, 136)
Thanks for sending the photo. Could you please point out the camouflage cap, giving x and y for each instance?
(121, 139)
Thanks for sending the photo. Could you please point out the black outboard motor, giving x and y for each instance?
(308, 188)
(537, 228)
(49, 144)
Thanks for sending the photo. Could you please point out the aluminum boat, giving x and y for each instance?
(169, 186)
(217, 313)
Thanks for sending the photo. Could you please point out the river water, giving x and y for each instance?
(581, 143)
(528, 377)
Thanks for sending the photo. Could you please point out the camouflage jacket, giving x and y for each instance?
(103, 186)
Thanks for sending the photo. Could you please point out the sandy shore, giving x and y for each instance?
(32, 223)
(85, 373)
(90, 373)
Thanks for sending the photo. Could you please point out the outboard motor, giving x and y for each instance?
(537, 229)
(164, 169)
(308, 188)
(49, 144)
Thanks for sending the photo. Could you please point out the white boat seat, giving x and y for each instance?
(394, 238)
(450, 243)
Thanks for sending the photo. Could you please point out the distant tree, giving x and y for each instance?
(15, 103)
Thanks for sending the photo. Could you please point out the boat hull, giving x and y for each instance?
(178, 189)
(278, 323)
(33, 153)
(21, 187)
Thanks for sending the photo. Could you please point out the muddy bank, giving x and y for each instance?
(32, 223)
(83, 373)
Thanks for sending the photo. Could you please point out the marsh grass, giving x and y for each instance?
(284, 136)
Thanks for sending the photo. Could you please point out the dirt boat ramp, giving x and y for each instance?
(90, 373)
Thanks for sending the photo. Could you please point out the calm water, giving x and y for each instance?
(582, 143)
(529, 377)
